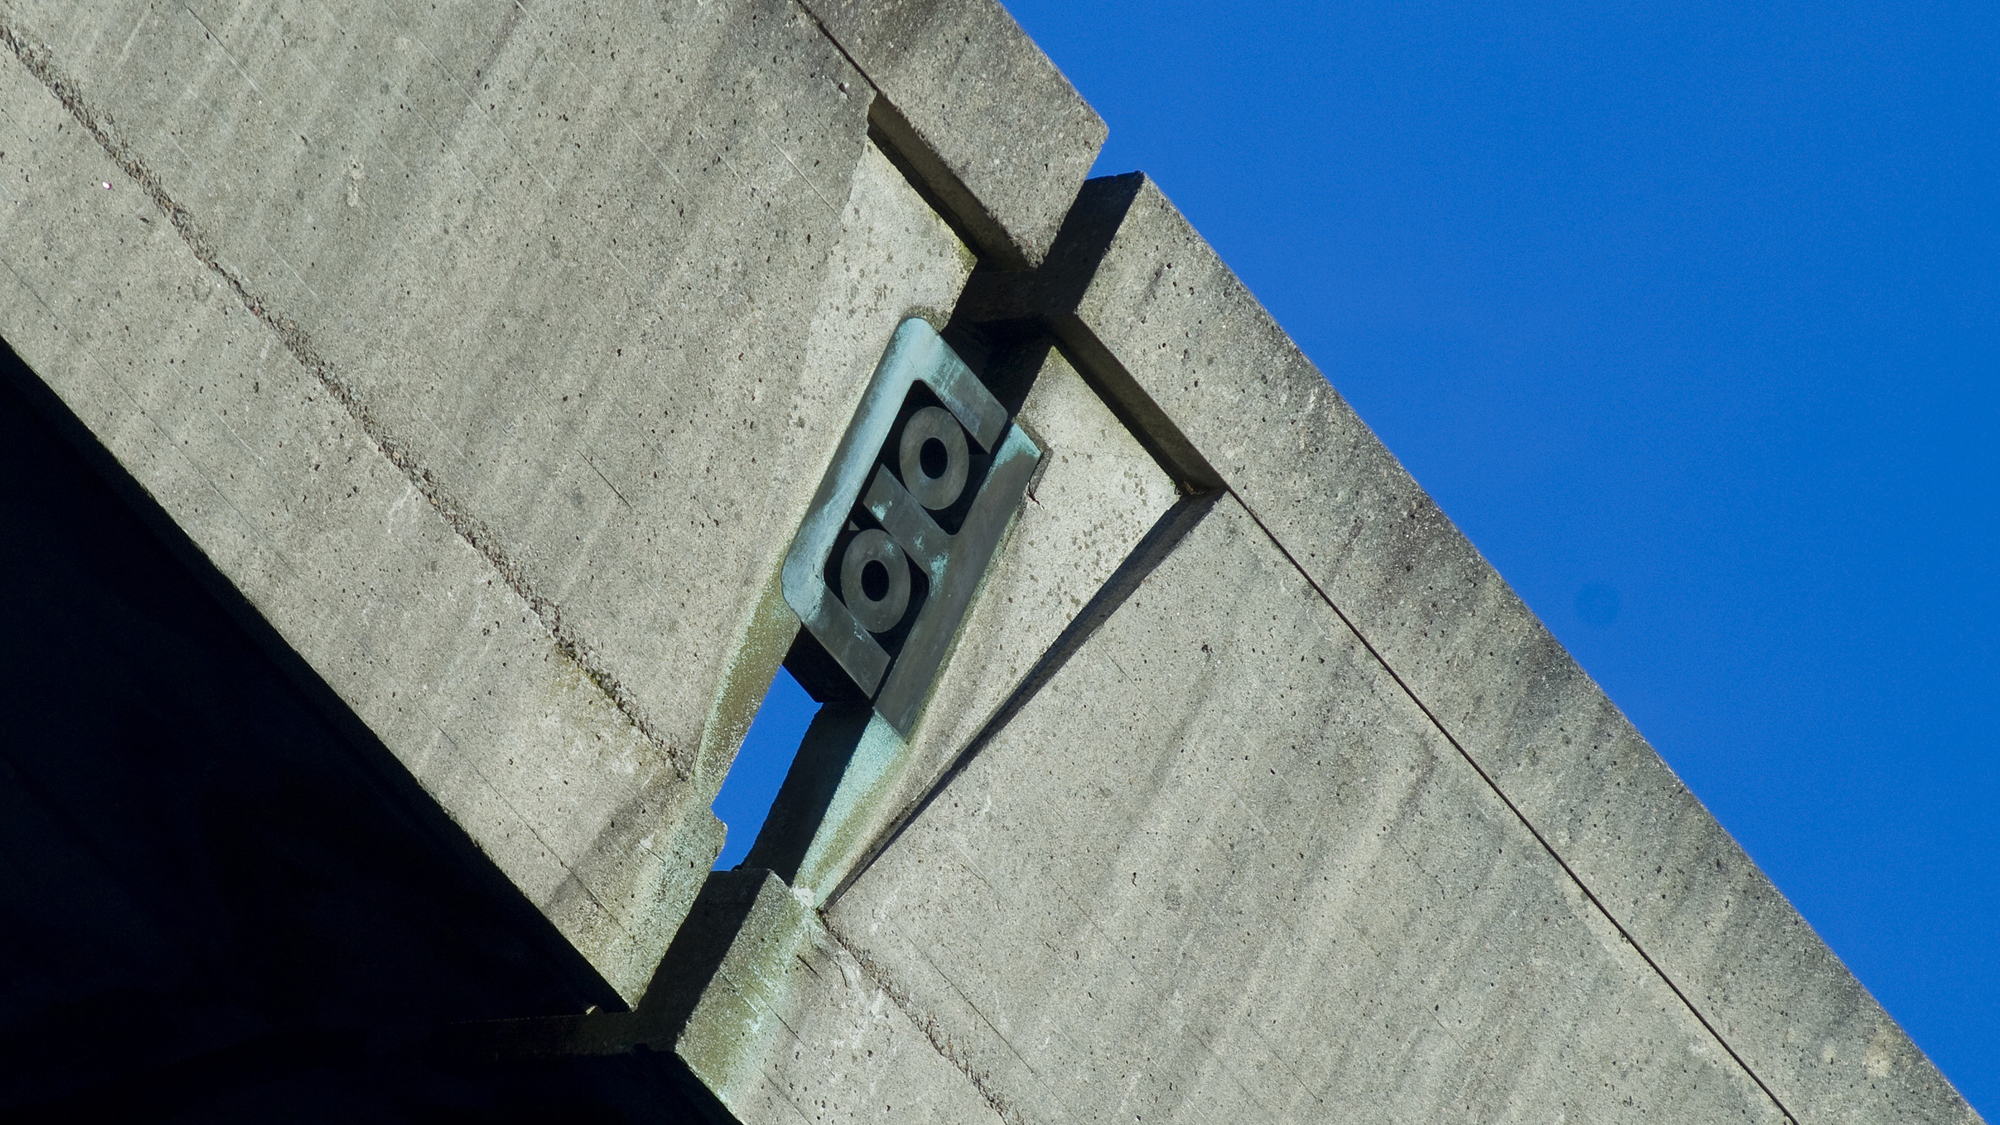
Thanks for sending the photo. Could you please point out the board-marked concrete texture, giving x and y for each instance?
(399, 314)
(568, 344)
(1214, 384)
(274, 481)
(1222, 868)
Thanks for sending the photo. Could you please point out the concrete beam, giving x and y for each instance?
(1204, 375)
(275, 481)
(492, 353)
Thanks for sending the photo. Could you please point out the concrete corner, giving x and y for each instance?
(978, 110)
(774, 1018)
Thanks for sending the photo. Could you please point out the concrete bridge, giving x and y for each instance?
(428, 428)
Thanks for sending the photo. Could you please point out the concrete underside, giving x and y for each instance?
(474, 364)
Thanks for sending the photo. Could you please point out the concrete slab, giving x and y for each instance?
(1222, 868)
(979, 111)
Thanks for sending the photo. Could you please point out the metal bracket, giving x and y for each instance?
(894, 475)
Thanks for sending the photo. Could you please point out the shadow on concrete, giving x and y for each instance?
(220, 897)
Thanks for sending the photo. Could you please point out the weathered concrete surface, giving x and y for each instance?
(492, 353)
(471, 354)
(981, 113)
(193, 852)
(1190, 351)
(275, 482)
(773, 1016)
(1097, 496)
(790, 1028)
(1222, 868)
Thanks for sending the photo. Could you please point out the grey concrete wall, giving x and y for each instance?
(276, 482)
(493, 350)
(1222, 868)
(471, 344)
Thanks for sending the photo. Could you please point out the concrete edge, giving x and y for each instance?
(1107, 212)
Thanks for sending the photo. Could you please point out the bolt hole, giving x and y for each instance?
(875, 581)
(935, 459)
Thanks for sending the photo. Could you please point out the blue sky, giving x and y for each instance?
(1689, 315)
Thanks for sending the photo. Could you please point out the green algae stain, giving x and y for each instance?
(761, 643)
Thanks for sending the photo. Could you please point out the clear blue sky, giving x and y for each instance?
(1689, 315)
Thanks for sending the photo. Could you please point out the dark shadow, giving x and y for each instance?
(221, 898)
(801, 804)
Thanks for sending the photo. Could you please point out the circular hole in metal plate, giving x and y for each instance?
(875, 580)
(934, 457)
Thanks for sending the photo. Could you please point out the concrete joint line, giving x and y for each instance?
(1623, 933)
(928, 172)
(1050, 294)
(40, 64)
(928, 1026)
